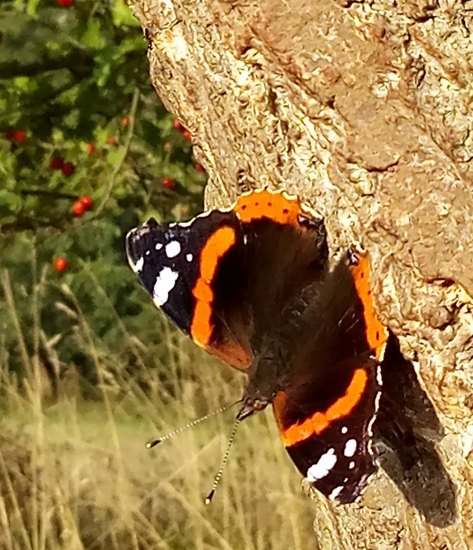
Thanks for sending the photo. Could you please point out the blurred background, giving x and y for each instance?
(89, 368)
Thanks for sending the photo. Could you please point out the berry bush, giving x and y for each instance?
(86, 152)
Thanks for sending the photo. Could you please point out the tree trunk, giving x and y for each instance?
(365, 110)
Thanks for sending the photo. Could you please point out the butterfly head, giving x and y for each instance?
(250, 406)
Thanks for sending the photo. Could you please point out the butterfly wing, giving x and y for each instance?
(283, 250)
(223, 276)
(326, 410)
(330, 444)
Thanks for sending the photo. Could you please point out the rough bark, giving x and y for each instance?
(364, 109)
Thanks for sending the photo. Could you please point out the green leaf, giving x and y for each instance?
(9, 202)
(114, 156)
(32, 7)
(93, 37)
(122, 15)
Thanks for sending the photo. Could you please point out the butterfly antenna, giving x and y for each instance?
(226, 454)
(189, 425)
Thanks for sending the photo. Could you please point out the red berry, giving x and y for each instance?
(19, 136)
(60, 264)
(112, 140)
(87, 202)
(65, 3)
(199, 167)
(169, 183)
(56, 163)
(187, 135)
(177, 125)
(90, 148)
(68, 169)
(125, 121)
(15, 135)
(78, 208)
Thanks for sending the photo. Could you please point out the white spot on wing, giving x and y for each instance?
(138, 265)
(323, 466)
(164, 284)
(350, 447)
(344, 430)
(189, 257)
(379, 375)
(173, 249)
(158, 246)
(351, 465)
(334, 494)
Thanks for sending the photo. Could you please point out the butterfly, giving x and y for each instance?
(254, 285)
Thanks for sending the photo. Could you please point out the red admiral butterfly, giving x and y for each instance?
(253, 286)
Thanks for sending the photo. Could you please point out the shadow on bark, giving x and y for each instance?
(407, 431)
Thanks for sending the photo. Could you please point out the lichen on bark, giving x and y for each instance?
(365, 110)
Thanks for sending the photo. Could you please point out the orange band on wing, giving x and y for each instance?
(215, 247)
(376, 333)
(263, 204)
(319, 421)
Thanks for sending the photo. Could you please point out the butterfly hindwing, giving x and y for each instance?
(331, 445)
(321, 360)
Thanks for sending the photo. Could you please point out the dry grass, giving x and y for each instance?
(77, 475)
